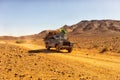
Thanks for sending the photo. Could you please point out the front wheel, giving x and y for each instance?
(57, 48)
(70, 50)
(48, 47)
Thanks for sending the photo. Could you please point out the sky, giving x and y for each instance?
(26, 17)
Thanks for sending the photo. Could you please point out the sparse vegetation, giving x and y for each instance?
(102, 44)
(104, 49)
(20, 41)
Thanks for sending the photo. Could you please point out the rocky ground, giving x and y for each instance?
(33, 62)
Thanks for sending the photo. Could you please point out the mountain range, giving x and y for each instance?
(85, 27)
(93, 27)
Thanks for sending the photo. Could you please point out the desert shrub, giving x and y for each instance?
(102, 50)
(20, 41)
(95, 46)
(118, 51)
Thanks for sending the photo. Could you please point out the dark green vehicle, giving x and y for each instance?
(58, 41)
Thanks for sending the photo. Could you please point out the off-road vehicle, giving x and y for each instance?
(58, 41)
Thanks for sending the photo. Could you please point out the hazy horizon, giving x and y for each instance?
(26, 17)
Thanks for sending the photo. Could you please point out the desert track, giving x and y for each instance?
(34, 62)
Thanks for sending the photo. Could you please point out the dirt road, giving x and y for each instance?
(36, 63)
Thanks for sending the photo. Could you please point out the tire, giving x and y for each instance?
(70, 50)
(57, 48)
(48, 47)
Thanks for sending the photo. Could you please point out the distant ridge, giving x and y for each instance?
(85, 27)
(95, 26)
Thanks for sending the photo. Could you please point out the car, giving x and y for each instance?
(58, 41)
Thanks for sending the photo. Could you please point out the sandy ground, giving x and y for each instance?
(34, 62)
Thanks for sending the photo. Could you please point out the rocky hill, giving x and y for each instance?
(95, 27)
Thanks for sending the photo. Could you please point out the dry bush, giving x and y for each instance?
(20, 41)
(102, 50)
